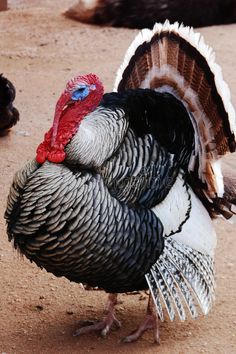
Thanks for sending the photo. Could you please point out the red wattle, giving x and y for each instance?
(40, 157)
(41, 153)
(56, 156)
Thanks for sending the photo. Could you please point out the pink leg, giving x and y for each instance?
(150, 322)
(105, 325)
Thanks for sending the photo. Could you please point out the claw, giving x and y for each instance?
(90, 328)
(106, 324)
(150, 322)
(110, 320)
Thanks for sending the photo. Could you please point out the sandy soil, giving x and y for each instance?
(39, 51)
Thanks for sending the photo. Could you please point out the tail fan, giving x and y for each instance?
(173, 58)
(182, 277)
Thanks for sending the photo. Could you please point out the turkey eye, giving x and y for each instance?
(80, 93)
(80, 89)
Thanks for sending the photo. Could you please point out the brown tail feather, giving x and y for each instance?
(174, 59)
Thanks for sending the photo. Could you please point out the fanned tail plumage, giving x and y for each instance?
(175, 59)
(182, 277)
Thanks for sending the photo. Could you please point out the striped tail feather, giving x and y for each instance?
(173, 58)
(182, 277)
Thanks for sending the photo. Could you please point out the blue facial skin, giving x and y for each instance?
(80, 93)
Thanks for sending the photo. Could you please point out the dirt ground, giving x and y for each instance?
(39, 51)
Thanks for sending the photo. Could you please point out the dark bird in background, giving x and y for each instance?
(9, 115)
(125, 185)
(144, 13)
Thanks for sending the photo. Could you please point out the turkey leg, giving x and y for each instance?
(150, 322)
(105, 325)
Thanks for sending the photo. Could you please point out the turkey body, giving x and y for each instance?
(9, 115)
(94, 224)
(142, 14)
(91, 220)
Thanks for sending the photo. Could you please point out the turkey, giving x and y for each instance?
(144, 13)
(9, 115)
(124, 186)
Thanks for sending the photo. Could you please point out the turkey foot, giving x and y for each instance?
(105, 325)
(150, 322)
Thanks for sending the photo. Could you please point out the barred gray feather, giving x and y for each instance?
(182, 273)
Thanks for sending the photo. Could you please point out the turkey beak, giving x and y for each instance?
(61, 105)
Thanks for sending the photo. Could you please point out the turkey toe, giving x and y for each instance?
(106, 324)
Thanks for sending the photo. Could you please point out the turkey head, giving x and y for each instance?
(81, 96)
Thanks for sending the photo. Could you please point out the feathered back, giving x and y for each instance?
(175, 59)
